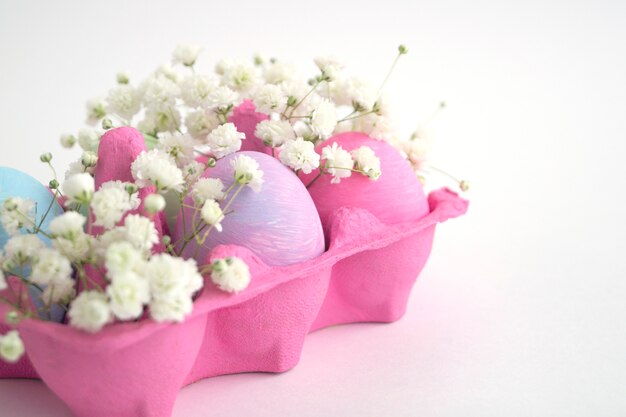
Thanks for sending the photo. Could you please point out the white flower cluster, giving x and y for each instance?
(230, 274)
(163, 283)
(186, 112)
(11, 346)
(17, 213)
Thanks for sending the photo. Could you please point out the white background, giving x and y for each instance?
(521, 310)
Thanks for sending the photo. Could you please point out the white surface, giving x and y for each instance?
(521, 309)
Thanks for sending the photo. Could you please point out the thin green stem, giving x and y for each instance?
(350, 117)
(43, 218)
(318, 176)
(393, 66)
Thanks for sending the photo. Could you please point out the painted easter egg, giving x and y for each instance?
(245, 118)
(279, 223)
(397, 196)
(117, 151)
(14, 183)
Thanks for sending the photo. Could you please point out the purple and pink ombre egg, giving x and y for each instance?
(279, 223)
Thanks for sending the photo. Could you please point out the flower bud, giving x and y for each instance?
(45, 157)
(11, 347)
(154, 203)
(211, 162)
(10, 204)
(12, 317)
(464, 185)
(402, 49)
(89, 159)
(79, 188)
(131, 188)
(123, 77)
(53, 184)
(67, 140)
(107, 123)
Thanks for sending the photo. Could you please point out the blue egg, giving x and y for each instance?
(14, 183)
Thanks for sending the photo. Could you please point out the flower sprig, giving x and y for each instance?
(116, 275)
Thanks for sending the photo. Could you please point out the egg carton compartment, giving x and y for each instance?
(365, 275)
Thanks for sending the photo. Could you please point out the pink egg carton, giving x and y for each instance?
(136, 369)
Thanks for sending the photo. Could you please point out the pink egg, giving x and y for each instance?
(245, 118)
(279, 223)
(396, 197)
(117, 151)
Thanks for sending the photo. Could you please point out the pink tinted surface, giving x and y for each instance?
(265, 331)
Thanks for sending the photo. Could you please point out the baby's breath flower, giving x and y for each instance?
(88, 139)
(123, 100)
(166, 120)
(11, 347)
(223, 97)
(96, 109)
(49, 267)
(140, 232)
(240, 76)
(157, 168)
(173, 281)
(324, 118)
(296, 92)
(128, 293)
(195, 89)
(89, 159)
(223, 64)
(192, 171)
(154, 203)
(366, 160)
(79, 188)
(77, 167)
(356, 92)
(90, 311)
(417, 149)
(67, 225)
(247, 172)
(375, 126)
(16, 213)
(278, 71)
(274, 132)
(339, 162)
(186, 54)
(58, 291)
(212, 214)
(200, 122)
(22, 249)
(160, 93)
(122, 257)
(329, 65)
(67, 140)
(269, 98)
(77, 249)
(111, 202)
(3, 281)
(174, 308)
(70, 239)
(45, 157)
(168, 71)
(300, 155)
(122, 77)
(230, 274)
(180, 147)
(224, 140)
(207, 189)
